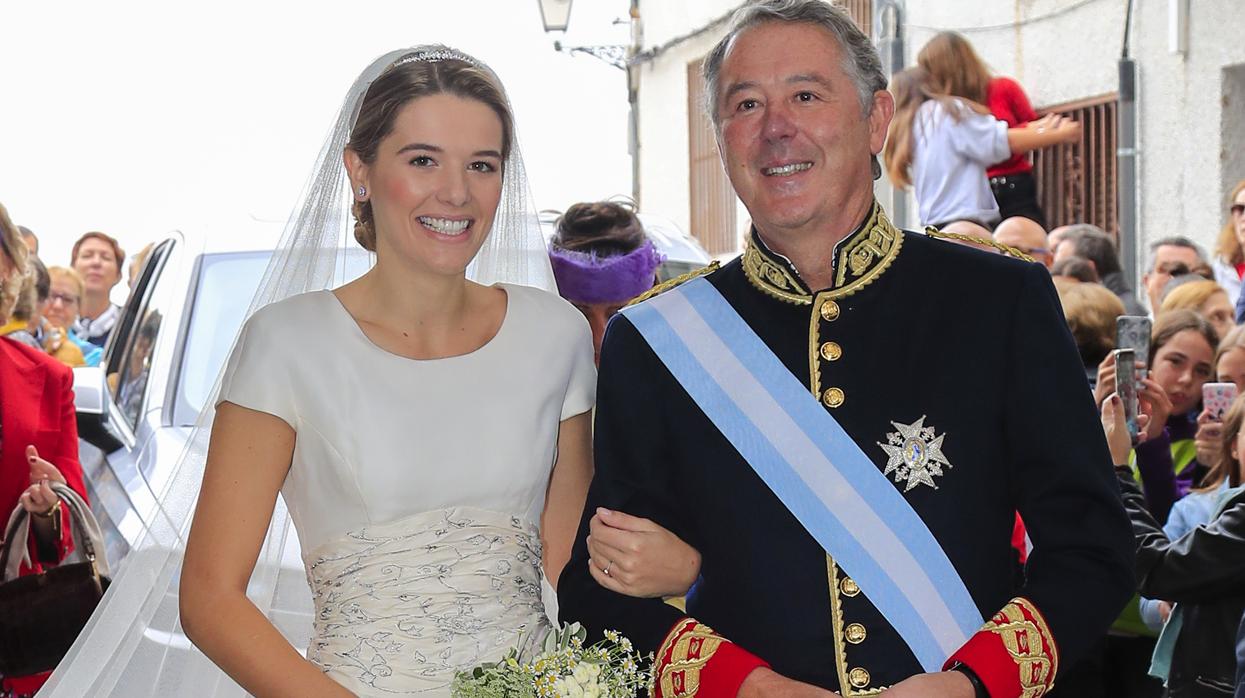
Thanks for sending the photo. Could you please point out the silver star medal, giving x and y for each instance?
(915, 454)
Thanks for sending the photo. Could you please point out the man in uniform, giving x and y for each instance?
(966, 406)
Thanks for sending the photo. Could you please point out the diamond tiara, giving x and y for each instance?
(434, 55)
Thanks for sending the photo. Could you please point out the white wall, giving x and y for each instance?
(1064, 50)
(1185, 171)
(663, 122)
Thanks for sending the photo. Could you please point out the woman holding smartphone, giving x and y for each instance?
(1181, 356)
(1229, 370)
(1163, 465)
(1202, 571)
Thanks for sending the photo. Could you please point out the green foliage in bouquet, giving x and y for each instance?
(563, 669)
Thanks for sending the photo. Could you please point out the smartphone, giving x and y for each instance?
(1133, 332)
(1126, 386)
(1217, 398)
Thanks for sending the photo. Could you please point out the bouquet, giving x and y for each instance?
(563, 669)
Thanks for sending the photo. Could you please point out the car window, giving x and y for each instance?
(223, 289)
(224, 286)
(130, 367)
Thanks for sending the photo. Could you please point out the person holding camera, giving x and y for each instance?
(1180, 363)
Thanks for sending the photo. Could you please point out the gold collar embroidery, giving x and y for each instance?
(860, 259)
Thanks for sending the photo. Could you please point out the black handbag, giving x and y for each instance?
(42, 614)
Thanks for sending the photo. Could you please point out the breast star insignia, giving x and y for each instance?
(915, 454)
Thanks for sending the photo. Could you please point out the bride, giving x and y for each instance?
(430, 435)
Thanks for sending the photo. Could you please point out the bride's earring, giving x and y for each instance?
(362, 191)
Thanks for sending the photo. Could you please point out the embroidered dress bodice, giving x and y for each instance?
(416, 486)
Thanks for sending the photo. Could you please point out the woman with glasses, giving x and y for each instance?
(61, 312)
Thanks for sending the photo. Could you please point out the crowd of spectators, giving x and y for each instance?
(1182, 476)
(52, 318)
(68, 311)
(959, 141)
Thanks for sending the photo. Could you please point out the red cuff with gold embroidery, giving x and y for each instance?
(1014, 653)
(695, 661)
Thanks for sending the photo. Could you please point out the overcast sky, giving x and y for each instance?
(137, 118)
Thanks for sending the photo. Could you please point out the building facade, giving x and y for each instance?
(1190, 105)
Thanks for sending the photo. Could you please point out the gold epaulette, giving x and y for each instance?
(667, 285)
(1008, 250)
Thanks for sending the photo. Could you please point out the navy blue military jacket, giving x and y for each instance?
(970, 345)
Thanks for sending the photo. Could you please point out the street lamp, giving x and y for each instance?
(555, 14)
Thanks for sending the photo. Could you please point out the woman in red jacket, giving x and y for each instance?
(955, 69)
(38, 435)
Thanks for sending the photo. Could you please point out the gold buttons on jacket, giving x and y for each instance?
(855, 633)
(849, 587)
(833, 397)
(831, 351)
(859, 677)
(829, 311)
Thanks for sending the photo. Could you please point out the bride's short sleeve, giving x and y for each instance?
(258, 374)
(581, 391)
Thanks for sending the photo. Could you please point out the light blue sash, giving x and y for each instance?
(836, 492)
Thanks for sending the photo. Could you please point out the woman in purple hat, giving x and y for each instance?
(602, 259)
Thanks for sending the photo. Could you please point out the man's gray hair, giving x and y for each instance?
(1076, 230)
(860, 58)
(1093, 243)
(1172, 241)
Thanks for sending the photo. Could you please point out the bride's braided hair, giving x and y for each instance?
(419, 75)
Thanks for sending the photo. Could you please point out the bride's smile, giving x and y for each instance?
(435, 182)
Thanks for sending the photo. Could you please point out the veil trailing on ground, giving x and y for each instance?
(133, 645)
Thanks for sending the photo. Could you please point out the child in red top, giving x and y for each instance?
(955, 69)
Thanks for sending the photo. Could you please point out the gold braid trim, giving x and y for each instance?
(773, 279)
(667, 285)
(1026, 637)
(974, 240)
(691, 645)
(867, 256)
(861, 259)
(1038, 619)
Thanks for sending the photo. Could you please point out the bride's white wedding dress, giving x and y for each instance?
(416, 486)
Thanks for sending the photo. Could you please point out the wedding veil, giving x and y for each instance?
(133, 646)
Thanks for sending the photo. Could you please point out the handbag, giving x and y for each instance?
(42, 614)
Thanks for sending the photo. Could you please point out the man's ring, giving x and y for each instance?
(608, 565)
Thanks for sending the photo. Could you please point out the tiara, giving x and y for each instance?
(435, 55)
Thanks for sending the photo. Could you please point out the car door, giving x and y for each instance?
(113, 400)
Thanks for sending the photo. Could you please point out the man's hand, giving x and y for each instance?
(766, 683)
(944, 684)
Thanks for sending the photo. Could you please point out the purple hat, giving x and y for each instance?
(585, 277)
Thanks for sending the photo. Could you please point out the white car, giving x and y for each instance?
(136, 414)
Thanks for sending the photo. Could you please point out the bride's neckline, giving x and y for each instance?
(359, 333)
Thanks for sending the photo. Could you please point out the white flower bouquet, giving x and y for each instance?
(563, 669)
